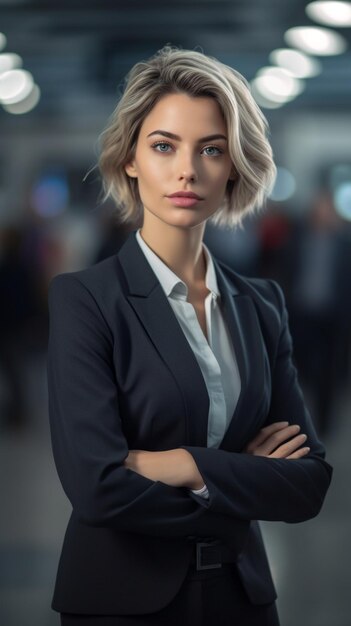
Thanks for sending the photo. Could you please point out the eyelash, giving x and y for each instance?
(165, 143)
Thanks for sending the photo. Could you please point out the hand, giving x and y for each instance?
(269, 442)
(131, 460)
(139, 462)
(175, 468)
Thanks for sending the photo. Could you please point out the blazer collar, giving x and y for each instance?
(141, 283)
(141, 279)
(170, 282)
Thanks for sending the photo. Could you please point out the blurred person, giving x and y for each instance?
(274, 232)
(317, 262)
(18, 313)
(176, 418)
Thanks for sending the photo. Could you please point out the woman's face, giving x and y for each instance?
(186, 161)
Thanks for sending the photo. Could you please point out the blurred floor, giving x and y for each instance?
(309, 561)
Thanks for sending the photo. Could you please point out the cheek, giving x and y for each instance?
(152, 173)
(218, 182)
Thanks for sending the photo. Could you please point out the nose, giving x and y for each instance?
(187, 170)
(187, 177)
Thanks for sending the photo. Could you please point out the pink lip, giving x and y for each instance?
(183, 200)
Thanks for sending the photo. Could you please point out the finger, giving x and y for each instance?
(299, 453)
(265, 432)
(278, 438)
(288, 448)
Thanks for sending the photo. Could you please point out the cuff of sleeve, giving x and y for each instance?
(203, 492)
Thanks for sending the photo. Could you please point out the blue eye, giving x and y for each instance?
(214, 148)
(156, 145)
(160, 143)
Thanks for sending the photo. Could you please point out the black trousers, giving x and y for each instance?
(213, 597)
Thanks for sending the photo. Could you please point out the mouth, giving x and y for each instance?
(184, 194)
(184, 201)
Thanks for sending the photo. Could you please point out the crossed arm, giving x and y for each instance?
(274, 478)
(177, 467)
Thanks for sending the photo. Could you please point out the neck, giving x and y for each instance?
(180, 248)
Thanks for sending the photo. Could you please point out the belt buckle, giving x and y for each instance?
(199, 546)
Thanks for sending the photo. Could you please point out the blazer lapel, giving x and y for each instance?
(151, 305)
(240, 315)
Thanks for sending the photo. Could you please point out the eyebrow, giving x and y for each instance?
(177, 138)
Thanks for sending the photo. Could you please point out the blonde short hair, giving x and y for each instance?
(174, 70)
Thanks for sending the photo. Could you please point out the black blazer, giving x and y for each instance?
(121, 375)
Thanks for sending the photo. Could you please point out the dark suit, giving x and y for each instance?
(122, 376)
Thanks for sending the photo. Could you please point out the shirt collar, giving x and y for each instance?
(171, 283)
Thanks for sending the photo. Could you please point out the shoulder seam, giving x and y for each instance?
(71, 275)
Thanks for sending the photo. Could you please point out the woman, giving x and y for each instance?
(176, 416)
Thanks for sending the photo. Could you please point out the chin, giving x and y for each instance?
(187, 221)
(188, 216)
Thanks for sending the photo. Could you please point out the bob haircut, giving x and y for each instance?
(174, 70)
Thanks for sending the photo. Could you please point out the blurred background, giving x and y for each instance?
(62, 65)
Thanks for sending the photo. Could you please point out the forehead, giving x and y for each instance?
(174, 112)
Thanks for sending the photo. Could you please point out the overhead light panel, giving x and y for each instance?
(262, 100)
(15, 85)
(316, 40)
(330, 13)
(25, 105)
(297, 63)
(18, 92)
(9, 61)
(277, 84)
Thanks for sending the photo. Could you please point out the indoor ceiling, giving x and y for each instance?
(78, 51)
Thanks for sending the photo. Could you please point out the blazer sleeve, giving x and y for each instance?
(254, 487)
(88, 442)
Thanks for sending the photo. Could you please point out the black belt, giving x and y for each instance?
(212, 554)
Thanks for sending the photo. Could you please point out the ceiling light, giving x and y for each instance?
(9, 61)
(25, 105)
(278, 84)
(263, 100)
(297, 63)
(316, 40)
(15, 85)
(330, 13)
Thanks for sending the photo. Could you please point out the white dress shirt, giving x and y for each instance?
(216, 357)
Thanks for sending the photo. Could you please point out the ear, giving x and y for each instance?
(130, 169)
